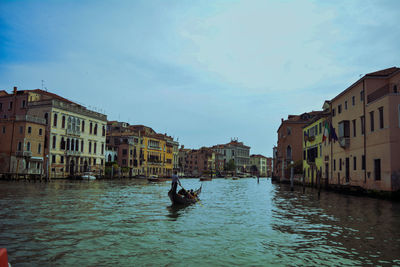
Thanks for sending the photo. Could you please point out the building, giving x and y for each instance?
(258, 165)
(290, 143)
(236, 151)
(367, 118)
(22, 145)
(74, 137)
(201, 162)
(313, 148)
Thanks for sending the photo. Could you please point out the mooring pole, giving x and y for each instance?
(291, 176)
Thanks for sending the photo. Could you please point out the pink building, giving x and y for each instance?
(366, 117)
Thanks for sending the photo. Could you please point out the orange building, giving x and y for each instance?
(290, 143)
(22, 137)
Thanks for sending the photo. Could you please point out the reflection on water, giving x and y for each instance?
(239, 222)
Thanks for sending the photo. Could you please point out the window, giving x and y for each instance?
(381, 117)
(354, 128)
(377, 169)
(102, 149)
(19, 146)
(345, 105)
(63, 122)
(103, 131)
(62, 143)
(10, 105)
(23, 104)
(334, 164)
(29, 129)
(1, 106)
(289, 130)
(81, 145)
(61, 159)
(94, 161)
(344, 129)
(28, 146)
(362, 119)
(53, 158)
(83, 126)
(40, 131)
(320, 128)
(46, 117)
(394, 90)
(39, 148)
(371, 116)
(54, 141)
(95, 129)
(90, 147)
(320, 150)
(354, 163)
(340, 164)
(55, 120)
(333, 112)
(362, 96)
(353, 100)
(21, 129)
(4, 129)
(288, 152)
(339, 109)
(94, 147)
(90, 128)
(363, 162)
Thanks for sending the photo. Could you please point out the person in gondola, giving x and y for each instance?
(175, 181)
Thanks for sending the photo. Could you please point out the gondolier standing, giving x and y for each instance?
(175, 181)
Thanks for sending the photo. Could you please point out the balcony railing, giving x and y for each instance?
(344, 142)
(72, 153)
(23, 153)
(72, 132)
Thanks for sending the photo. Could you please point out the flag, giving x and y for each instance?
(333, 134)
(326, 132)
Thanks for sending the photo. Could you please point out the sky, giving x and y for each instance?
(202, 71)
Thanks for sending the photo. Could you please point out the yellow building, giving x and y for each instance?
(312, 148)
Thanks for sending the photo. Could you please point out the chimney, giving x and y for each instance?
(281, 119)
(15, 90)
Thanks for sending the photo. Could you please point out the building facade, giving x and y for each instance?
(258, 165)
(290, 143)
(236, 151)
(367, 118)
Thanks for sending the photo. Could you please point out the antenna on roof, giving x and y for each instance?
(42, 84)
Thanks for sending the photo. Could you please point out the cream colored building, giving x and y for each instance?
(75, 136)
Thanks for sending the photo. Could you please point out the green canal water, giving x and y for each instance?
(238, 223)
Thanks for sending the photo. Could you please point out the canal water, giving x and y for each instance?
(237, 223)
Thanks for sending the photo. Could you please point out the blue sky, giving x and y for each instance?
(203, 71)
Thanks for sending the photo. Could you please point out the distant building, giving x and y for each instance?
(201, 162)
(269, 166)
(236, 151)
(258, 165)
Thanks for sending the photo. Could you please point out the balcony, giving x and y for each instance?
(72, 153)
(72, 132)
(344, 142)
(23, 153)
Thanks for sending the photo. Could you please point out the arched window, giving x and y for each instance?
(95, 129)
(68, 143)
(83, 126)
(104, 131)
(109, 158)
(81, 145)
(289, 152)
(77, 145)
(28, 146)
(63, 122)
(90, 128)
(62, 143)
(55, 120)
(54, 141)
(72, 145)
(46, 117)
(19, 146)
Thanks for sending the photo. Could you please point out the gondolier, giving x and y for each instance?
(175, 181)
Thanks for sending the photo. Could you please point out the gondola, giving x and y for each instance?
(177, 199)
